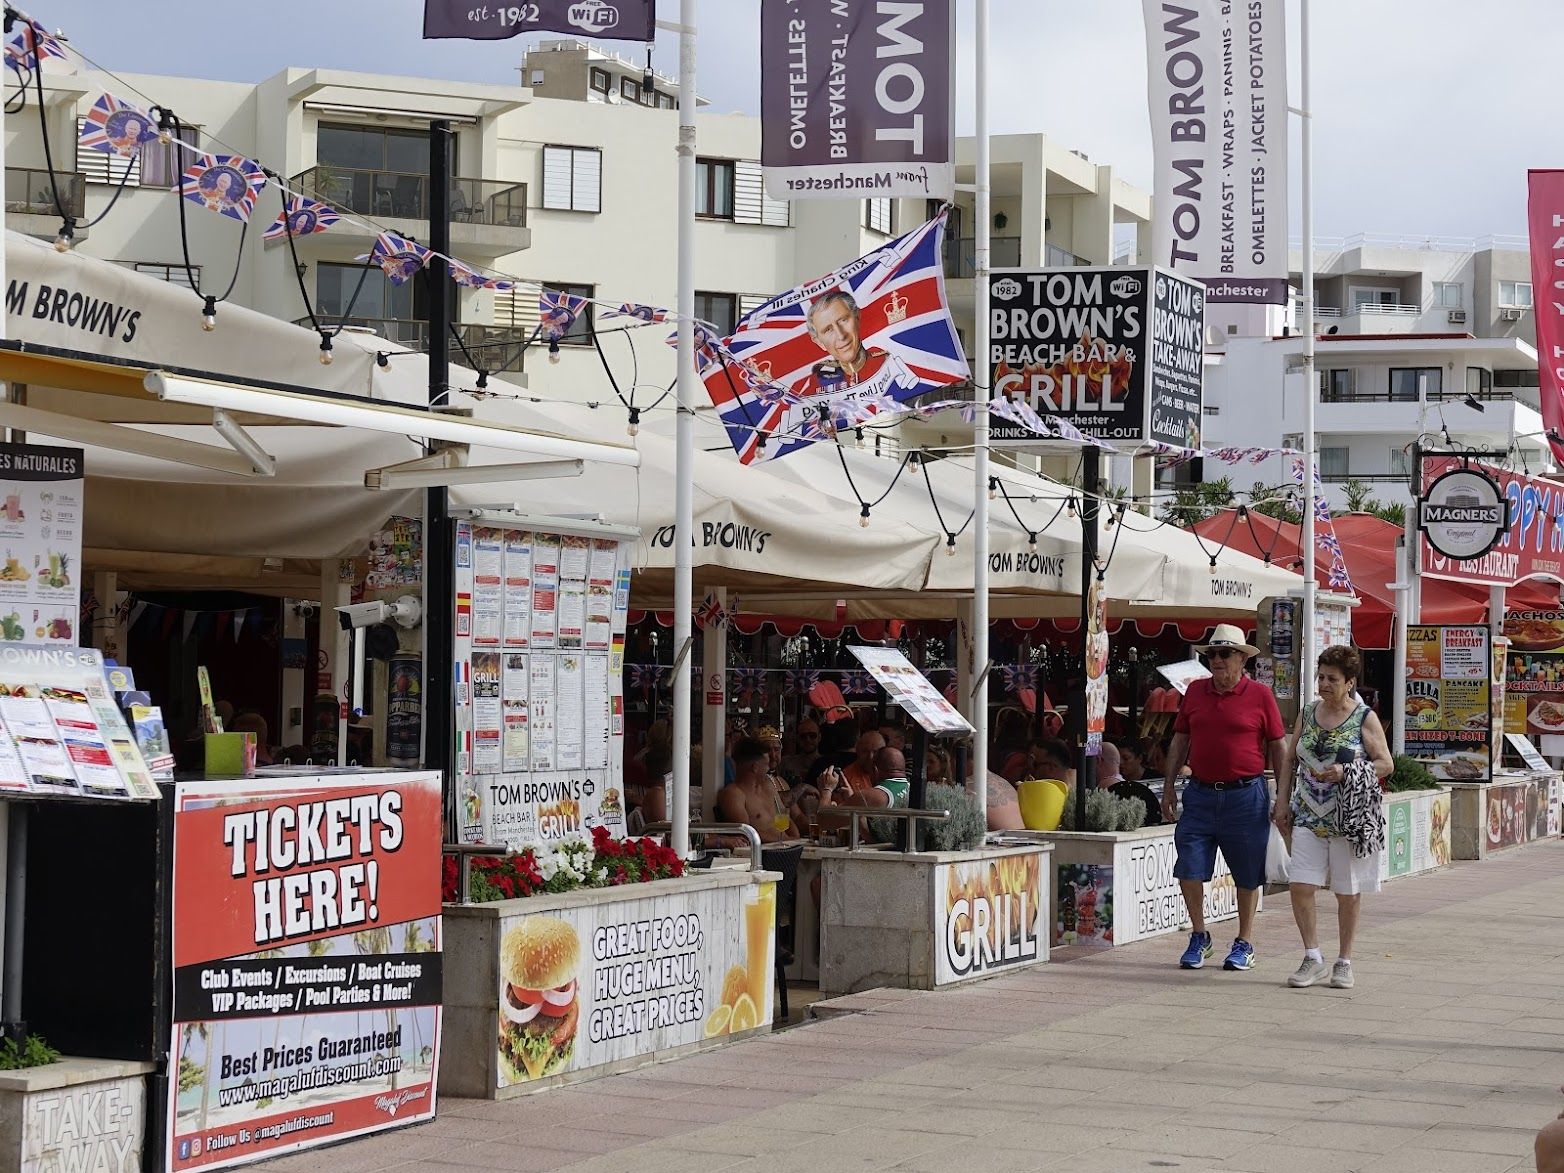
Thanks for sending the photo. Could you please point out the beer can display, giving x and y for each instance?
(405, 709)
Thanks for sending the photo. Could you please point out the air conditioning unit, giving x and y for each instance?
(1456, 317)
(1511, 314)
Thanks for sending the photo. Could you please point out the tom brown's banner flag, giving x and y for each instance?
(1545, 218)
(856, 98)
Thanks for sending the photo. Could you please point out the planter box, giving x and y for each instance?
(1115, 887)
(918, 920)
(1417, 833)
(1502, 812)
(74, 1114)
(656, 961)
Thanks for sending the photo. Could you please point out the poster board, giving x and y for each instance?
(1448, 718)
(41, 495)
(538, 668)
(306, 944)
(1534, 677)
(911, 690)
(990, 914)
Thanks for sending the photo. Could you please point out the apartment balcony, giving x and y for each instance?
(1383, 318)
(497, 349)
(488, 216)
(30, 201)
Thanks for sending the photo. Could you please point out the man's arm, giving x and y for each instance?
(1178, 754)
(1277, 752)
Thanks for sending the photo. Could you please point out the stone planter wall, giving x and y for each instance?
(74, 1114)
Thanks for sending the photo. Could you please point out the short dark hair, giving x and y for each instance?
(750, 749)
(1344, 659)
(1055, 749)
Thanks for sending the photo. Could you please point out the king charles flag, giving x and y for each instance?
(875, 333)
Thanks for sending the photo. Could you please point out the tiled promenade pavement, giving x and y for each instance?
(1447, 1056)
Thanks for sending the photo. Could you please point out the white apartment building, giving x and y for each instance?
(1415, 335)
(568, 178)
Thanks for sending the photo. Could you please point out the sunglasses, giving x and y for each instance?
(1222, 653)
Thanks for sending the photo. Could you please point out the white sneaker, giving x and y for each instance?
(1340, 975)
(1309, 972)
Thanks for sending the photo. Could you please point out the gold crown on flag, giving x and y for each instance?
(763, 369)
(896, 308)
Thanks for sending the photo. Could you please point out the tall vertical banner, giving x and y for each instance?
(306, 946)
(1545, 218)
(1217, 87)
(857, 98)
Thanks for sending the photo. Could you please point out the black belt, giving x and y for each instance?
(1235, 784)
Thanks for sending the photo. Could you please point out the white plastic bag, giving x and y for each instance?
(1277, 858)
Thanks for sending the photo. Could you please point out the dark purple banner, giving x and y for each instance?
(616, 20)
(856, 98)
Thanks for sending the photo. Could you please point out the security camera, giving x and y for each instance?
(405, 612)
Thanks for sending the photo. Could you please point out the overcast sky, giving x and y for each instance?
(1427, 112)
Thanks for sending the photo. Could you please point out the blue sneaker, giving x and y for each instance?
(1241, 956)
(1199, 949)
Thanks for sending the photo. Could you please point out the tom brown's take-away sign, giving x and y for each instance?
(613, 20)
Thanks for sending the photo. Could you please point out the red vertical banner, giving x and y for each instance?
(307, 976)
(1545, 219)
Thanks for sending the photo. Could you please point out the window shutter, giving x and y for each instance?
(518, 308)
(775, 213)
(748, 196)
(587, 180)
(556, 178)
(101, 167)
(749, 303)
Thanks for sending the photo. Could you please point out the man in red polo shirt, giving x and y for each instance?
(1228, 729)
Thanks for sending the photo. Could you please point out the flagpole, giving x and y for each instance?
(979, 705)
(1310, 388)
(684, 440)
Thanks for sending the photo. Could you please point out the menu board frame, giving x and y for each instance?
(1448, 717)
(911, 690)
(1534, 678)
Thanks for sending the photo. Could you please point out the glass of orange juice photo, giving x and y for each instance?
(760, 919)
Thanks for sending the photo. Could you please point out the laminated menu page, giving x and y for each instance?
(43, 754)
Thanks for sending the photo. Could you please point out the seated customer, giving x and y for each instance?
(648, 797)
(1132, 761)
(751, 798)
(1111, 779)
(1051, 758)
(889, 788)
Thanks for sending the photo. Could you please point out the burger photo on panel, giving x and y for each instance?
(539, 1009)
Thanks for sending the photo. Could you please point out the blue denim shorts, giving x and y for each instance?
(1238, 821)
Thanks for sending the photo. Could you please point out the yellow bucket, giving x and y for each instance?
(1042, 803)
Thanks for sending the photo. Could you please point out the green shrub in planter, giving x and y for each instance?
(1410, 774)
(33, 1051)
(1105, 811)
(963, 831)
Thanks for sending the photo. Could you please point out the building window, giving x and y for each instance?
(665, 102)
(720, 309)
(162, 164)
(1333, 464)
(573, 179)
(714, 188)
(172, 272)
(580, 332)
(1335, 386)
(1515, 294)
(376, 303)
(599, 80)
(537, 77)
(630, 90)
(1479, 382)
(1515, 378)
(879, 215)
(372, 148)
(1398, 462)
(1447, 295)
(1412, 384)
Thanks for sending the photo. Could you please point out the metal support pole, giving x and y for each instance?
(980, 428)
(15, 919)
(1311, 391)
(439, 535)
(1091, 486)
(684, 440)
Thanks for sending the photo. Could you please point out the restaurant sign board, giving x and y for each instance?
(1448, 719)
(1531, 544)
(1463, 514)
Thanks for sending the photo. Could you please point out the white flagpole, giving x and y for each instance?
(979, 705)
(684, 440)
(1311, 389)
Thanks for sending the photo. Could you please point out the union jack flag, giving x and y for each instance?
(889, 325)
(301, 216)
(711, 613)
(1338, 579)
(399, 259)
(1015, 677)
(645, 676)
(801, 680)
(1329, 543)
(645, 313)
(116, 128)
(27, 42)
(470, 278)
(226, 184)
(557, 312)
(749, 683)
(857, 682)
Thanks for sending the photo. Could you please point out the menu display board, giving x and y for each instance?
(1534, 679)
(539, 729)
(911, 690)
(1448, 717)
(1332, 623)
(40, 544)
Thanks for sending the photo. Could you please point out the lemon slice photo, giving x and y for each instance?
(717, 1024)
(745, 1016)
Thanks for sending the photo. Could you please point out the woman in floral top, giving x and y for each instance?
(1314, 796)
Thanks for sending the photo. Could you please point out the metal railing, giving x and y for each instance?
(910, 814)
(464, 853)
(1428, 243)
(405, 194)
(493, 348)
(1342, 478)
(743, 829)
(27, 190)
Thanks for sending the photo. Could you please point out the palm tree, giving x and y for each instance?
(372, 942)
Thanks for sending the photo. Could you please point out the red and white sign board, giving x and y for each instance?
(1534, 545)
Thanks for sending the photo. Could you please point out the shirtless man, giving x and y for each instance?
(751, 798)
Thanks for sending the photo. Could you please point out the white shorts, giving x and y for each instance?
(1316, 861)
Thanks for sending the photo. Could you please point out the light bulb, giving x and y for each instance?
(1070, 505)
(1213, 566)
(1031, 541)
(993, 488)
(950, 548)
(325, 350)
(553, 351)
(66, 238)
(634, 427)
(483, 381)
(863, 516)
(209, 314)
